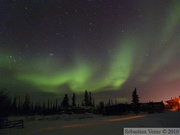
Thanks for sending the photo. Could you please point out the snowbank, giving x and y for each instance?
(90, 124)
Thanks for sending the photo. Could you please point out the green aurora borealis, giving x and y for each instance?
(140, 50)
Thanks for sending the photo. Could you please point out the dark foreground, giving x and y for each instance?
(95, 125)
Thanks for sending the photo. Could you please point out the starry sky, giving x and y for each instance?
(109, 47)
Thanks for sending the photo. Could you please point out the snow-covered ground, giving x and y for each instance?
(90, 124)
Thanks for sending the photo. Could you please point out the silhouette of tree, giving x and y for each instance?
(74, 100)
(135, 102)
(86, 98)
(90, 99)
(5, 103)
(135, 97)
(14, 106)
(32, 108)
(44, 108)
(56, 105)
(26, 105)
(112, 102)
(19, 108)
(36, 108)
(48, 108)
(109, 102)
(93, 103)
(65, 102)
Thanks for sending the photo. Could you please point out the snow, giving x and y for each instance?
(90, 124)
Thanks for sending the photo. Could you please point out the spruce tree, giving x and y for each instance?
(19, 108)
(135, 97)
(48, 106)
(74, 100)
(26, 105)
(65, 102)
(86, 98)
(90, 99)
(93, 103)
(14, 105)
(56, 105)
(135, 102)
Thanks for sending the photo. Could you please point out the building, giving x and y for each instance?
(117, 109)
(152, 107)
(173, 103)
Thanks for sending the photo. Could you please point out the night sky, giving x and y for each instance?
(109, 47)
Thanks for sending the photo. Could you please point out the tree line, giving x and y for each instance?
(17, 106)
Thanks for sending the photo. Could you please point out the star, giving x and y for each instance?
(51, 54)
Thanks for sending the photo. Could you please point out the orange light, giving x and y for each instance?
(125, 118)
(48, 129)
(81, 125)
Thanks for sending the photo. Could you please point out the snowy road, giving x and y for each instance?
(101, 126)
(87, 127)
(96, 126)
